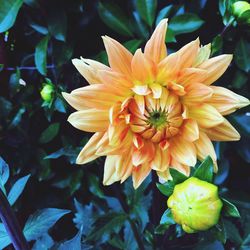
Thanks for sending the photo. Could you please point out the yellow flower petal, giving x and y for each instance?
(155, 47)
(90, 120)
(188, 53)
(226, 101)
(143, 69)
(111, 163)
(119, 57)
(183, 151)
(204, 148)
(215, 67)
(139, 174)
(89, 68)
(87, 154)
(190, 130)
(205, 115)
(196, 93)
(203, 55)
(223, 132)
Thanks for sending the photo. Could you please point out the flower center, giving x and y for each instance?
(157, 119)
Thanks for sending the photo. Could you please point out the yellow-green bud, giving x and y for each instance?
(47, 92)
(195, 205)
(238, 8)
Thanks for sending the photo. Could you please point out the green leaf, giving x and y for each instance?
(105, 224)
(177, 176)
(49, 133)
(8, 13)
(165, 222)
(73, 244)
(170, 36)
(17, 189)
(140, 28)
(83, 217)
(232, 232)
(230, 209)
(41, 55)
(242, 55)
(166, 188)
(4, 171)
(57, 22)
(217, 44)
(4, 237)
(219, 232)
(163, 13)
(167, 218)
(39, 28)
(146, 9)
(133, 45)
(205, 170)
(44, 242)
(41, 221)
(239, 80)
(114, 18)
(185, 23)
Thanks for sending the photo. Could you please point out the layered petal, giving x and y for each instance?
(156, 47)
(96, 96)
(89, 69)
(205, 115)
(143, 69)
(91, 120)
(190, 130)
(119, 57)
(215, 67)
(112, 162)
(226, 101)
(196, 93)
(87, 154)
(183, 151)
(188, 53)
(204, 147)
(224, 132)
(203, 55)
(140, 173)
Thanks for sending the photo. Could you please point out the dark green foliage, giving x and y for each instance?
(37, 42)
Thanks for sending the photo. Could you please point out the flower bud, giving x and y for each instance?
(195, 205)
(47, 92)
(239, 8)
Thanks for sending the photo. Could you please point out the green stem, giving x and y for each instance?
(11, 224)
(136, 234)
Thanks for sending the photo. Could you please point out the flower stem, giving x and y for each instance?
(136, 234)
(11, 224)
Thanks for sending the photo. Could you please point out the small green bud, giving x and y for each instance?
(195, 205)
(239, 9)
(47, 92)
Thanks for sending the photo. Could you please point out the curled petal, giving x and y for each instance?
(188, 76)
(156, 90)
(185, 169)
(190, 130)
(119, 57)
(143, 69)
(226, 101)
(112, 162)
(87, 154)
(183, 151)
(140, 173)
(205, 115)
(204, 148)
(96, 96)
(196, 93)
(156, 47)
(91, 120)
(203, 55)
(215, 67)
(89, 68)
(223, 132)
(144, 154)
(188, 53)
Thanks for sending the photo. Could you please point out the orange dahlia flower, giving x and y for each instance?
(151, 110)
